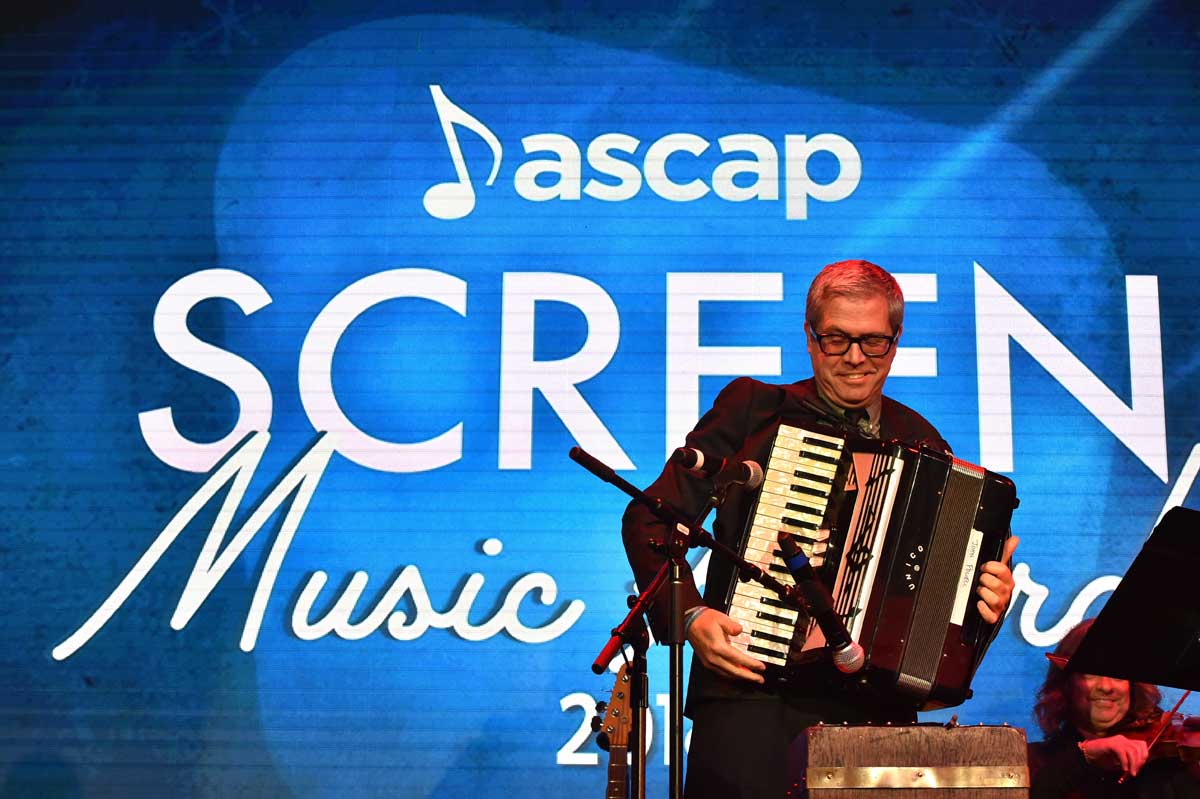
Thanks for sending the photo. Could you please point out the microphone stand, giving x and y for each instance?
(632, 631)
(670, 573)
(684, 535)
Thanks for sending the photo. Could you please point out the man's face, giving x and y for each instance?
(1097, 703)
(852, 379)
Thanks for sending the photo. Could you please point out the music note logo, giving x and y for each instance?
(455, 199)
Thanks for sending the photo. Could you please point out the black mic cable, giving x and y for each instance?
(848, 656)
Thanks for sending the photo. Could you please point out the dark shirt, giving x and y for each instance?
(1058, 771)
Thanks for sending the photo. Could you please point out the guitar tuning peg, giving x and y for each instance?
(601, 707)
(596, 722)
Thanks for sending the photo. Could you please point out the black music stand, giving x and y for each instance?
(1149, 630)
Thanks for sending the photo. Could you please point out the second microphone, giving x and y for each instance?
(720, 470)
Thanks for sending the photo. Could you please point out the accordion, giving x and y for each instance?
(897, 533)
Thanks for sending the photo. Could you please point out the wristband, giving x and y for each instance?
(690, 615)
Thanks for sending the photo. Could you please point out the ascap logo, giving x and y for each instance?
(616, 175)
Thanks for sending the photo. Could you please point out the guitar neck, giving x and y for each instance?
(618, 766)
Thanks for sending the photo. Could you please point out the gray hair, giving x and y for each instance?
(855, 280)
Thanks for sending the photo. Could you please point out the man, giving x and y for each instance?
(1095, 728)
(742, 728)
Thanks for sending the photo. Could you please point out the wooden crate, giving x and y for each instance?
(918, 761)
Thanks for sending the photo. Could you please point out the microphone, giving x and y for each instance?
(848, 656)
(719, 470)
(743, 473)
(695, 461)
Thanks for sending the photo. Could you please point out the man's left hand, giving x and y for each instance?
(996, 584)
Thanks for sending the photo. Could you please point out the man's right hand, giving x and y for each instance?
(709, 636)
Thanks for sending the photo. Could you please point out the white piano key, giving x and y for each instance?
(755, 604)
(780, 512)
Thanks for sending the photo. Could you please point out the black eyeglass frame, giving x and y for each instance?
(852, 340)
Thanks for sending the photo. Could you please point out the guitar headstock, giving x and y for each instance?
(618, 714)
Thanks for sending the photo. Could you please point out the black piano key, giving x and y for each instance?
(816, 456)
(814, 476)
(779, 639)
(816, 492)
(798, 523)
(773, 619)
(763, 651)
(775, 603)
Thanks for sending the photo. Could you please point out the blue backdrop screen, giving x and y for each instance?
(305, 305)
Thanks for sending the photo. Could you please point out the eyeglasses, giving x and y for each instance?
(875, 346)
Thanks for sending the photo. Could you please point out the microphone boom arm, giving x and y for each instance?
(689, 535)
